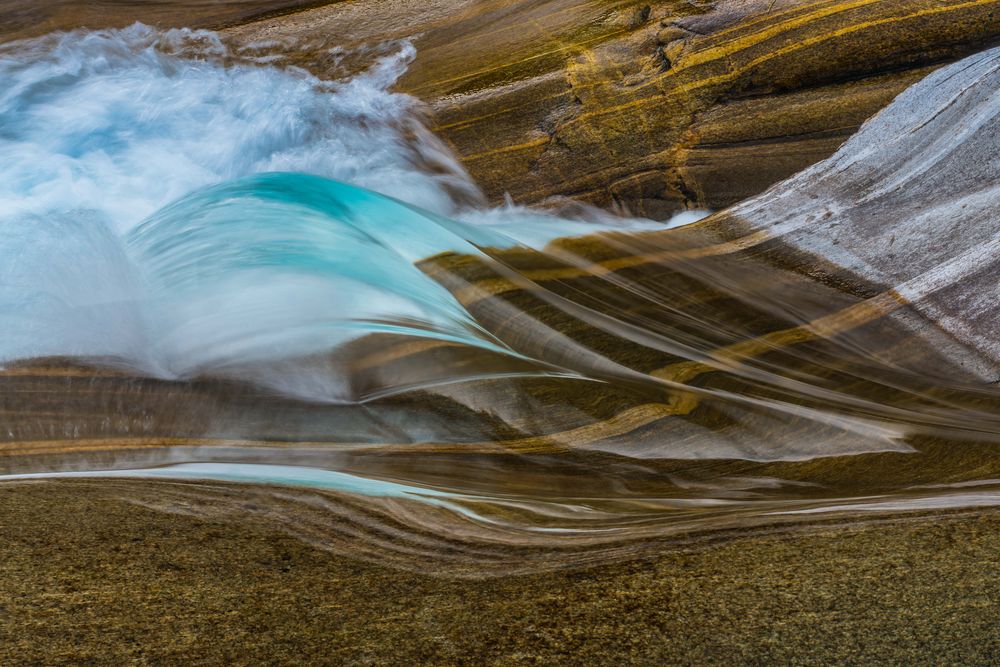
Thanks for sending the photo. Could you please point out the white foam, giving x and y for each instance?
(124, 122)
(100, 131)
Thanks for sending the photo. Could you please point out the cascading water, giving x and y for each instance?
(234, 269)
(102, 131)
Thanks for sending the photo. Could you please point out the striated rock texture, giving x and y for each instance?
(817, 348)
(910, 203)
(845, 312)
(652, 105)
(19, 19)
(90, 578)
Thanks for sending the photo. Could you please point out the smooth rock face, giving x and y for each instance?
(911, 202)
(816, 349)
(19, 19)
(653, 105)
(821, 319)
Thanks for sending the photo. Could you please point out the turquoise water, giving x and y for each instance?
(231, 234)
(183, 211)
(292, 263)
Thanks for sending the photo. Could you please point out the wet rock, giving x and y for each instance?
(656, 106)
(910, 202)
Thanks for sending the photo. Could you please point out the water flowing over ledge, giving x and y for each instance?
(228, 264)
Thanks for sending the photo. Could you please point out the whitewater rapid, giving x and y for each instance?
(216, 225)
(172, 207)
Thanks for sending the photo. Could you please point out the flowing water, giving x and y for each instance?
(215, 268)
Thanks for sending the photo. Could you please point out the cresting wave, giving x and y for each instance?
(210, 261)
(102, 131)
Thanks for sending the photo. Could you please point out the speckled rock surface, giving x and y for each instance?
(89, 577)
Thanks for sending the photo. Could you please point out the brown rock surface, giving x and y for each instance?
(19, 19)
(92, 576)
(655, 105)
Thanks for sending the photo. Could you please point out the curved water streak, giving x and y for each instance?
(627, 383)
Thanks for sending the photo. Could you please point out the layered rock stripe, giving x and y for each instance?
(652, 106)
